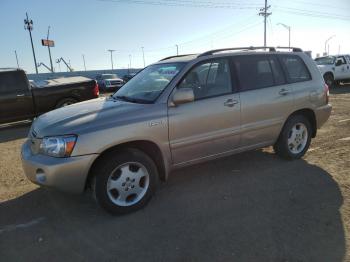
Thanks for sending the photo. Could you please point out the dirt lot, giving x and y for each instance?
(249, 207)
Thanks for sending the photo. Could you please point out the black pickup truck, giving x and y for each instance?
(20, 100)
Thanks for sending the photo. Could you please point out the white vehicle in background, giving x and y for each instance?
(334, 68)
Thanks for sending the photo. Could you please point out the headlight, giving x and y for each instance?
(60, 146)
(108, 83)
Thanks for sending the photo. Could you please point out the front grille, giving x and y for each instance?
(116, 82)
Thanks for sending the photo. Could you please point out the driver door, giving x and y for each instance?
(340, 70)
(210, 125)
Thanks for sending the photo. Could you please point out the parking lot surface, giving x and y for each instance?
(248, 207)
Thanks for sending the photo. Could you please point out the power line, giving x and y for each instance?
(310, 13)
(179, 3)
(319, 4)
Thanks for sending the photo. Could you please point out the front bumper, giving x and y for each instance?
(322, 114)
(66, 174)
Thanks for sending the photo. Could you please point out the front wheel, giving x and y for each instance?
(329, 79)
(125, 181)
(295, 138)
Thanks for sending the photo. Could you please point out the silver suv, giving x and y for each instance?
(180, 111)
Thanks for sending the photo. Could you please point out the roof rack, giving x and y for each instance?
(270, 48)
(294, 49)
(211, 52)
(174, 56)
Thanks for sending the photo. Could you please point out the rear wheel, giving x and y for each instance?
(295, 138)
(125, 182)
(329, 79)
(66, 102)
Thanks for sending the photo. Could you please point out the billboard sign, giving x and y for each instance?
(46, 42)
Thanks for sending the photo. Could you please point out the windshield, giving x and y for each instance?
(328, 60)
(147, 85)
(109, 76)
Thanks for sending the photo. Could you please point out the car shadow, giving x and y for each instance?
(13, 132)
(249, 207)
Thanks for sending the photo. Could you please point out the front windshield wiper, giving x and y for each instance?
(133, 100)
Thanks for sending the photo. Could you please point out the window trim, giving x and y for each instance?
(289, 81)
(22, 76)
(211, 61)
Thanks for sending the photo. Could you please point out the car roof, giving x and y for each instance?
(181, 58)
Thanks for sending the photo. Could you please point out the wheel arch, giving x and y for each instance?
(310, 115)
(148, 147)
(60, 100)
(328, 73)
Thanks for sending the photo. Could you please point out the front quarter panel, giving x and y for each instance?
(150, 124)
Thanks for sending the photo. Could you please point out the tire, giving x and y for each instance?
(125, 181)
(66, 102)
(295, 138)
(329, 79)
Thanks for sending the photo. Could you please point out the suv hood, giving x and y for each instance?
(86, 117)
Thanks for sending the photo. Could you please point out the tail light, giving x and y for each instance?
(96, 90)
(326, 92)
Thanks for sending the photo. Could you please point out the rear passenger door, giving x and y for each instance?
(266, 99)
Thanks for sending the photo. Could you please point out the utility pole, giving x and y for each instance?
(265, 14)
(84, 62)
(48, 47)
(143, 55)
(18, 63)
(28, 25)
(111, 50)
(177, 49)
(130, 61)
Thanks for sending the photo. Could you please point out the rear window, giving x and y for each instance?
(295, 68)
(260, 71)
(13, 81)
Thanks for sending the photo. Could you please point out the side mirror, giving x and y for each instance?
(338, 63)
(182, 96)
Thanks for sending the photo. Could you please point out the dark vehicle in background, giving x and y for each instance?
(127, 77)
(109, 82)
(21, 99)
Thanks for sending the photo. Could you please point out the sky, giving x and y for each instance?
(91, 27)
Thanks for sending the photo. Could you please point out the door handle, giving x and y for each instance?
(284, 92)
(20, 95)
(230, 102)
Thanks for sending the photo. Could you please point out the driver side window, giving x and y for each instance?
(209, 79)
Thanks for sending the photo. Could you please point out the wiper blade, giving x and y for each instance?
(134, 100)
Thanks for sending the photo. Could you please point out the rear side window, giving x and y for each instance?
(277, 72)
(295, 68)
(13, 81)
(260, 71)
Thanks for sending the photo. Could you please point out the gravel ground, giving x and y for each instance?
(248, 207)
